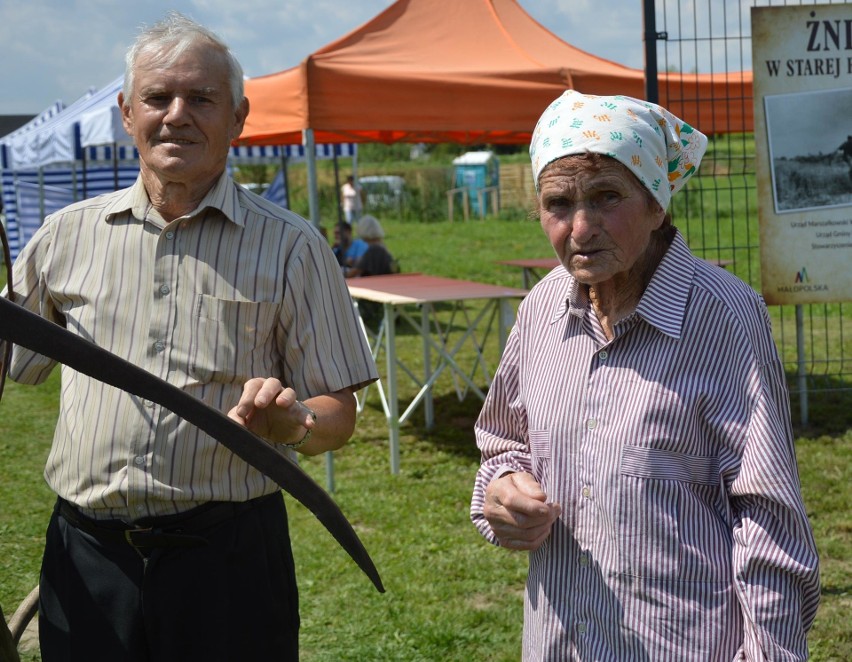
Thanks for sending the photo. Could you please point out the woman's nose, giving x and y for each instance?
(583, 223)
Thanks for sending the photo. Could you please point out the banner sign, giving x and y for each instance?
(802, 65)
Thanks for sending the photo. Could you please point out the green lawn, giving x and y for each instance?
(450, 596)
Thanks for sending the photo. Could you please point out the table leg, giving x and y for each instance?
(507, 318)
(393, 396)
(428, 402)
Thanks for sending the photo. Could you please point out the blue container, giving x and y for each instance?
(477, 171)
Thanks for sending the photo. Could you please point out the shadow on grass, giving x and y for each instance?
(829, 407)
(453, 429)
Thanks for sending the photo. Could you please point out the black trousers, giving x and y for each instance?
(231, 597)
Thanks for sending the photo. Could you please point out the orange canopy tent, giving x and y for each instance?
(471, 71)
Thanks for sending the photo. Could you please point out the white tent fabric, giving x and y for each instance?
(103, 126)
(57, 139)
(51, 111)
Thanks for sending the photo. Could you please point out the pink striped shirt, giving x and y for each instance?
(239, 288)
(683, 534)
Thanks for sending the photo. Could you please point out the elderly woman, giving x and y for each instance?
(636, 438)
(376, 259)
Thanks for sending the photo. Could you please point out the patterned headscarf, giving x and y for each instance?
(660, 149)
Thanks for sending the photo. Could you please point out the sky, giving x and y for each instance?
(58, 49)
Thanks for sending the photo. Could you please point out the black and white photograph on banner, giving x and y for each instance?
(810, 169)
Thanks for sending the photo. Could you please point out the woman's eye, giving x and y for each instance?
(558, 203)
(605, 198)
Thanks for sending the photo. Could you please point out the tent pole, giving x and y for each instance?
(313, 189)
(337, 185)
(285, 178)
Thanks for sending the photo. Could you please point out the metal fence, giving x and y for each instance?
(719, 212)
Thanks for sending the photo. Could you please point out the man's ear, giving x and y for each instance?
(126, 116)
(240, 115)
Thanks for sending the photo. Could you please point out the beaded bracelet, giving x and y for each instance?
(308, 431)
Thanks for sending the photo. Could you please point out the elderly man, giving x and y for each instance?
(226, 296)
(636, 439)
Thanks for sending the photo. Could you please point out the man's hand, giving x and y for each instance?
(284, 423)
(516, 510)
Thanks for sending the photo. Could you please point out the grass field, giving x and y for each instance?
(450, 596)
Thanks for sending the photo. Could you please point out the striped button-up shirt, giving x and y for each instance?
(683, 535)
(239, 288)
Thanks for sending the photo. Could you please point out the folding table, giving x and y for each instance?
(398, 293)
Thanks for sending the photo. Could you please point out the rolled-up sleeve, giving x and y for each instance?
(501, 433)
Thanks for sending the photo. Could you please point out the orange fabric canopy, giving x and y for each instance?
(472, 71)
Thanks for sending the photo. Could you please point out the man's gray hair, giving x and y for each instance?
(168, 39)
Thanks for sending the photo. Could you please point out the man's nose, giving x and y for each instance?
(177, 110)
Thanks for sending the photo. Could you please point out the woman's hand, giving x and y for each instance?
(516, 509)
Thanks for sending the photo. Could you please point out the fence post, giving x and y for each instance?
(802, 368)
(650, 37)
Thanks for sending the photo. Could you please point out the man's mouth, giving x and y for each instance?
(175, 141)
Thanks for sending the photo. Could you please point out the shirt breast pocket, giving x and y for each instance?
(231, 341)
(655, 493)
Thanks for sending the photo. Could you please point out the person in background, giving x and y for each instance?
(376, 260)
(163, 544)
(352, 201)
(346, 249)
(636, 439)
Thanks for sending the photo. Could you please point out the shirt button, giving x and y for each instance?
(584, 560)
(170, 235)
(159, 346)
(581, 628)
(165, 289)
(592, 423)
(603, 355)
(587, 492)
(139, 460)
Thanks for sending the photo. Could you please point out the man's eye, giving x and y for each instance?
(157, 99)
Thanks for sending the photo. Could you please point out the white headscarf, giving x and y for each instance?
(660, 149)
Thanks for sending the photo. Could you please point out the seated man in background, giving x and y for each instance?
(346, 250)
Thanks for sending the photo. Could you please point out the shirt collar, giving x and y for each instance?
(223, 197)
(663, 303)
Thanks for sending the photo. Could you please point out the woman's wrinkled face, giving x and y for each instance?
(597, 216)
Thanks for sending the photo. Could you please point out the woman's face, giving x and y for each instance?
(597, 216)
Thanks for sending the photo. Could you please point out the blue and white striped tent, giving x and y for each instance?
(80, 151)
